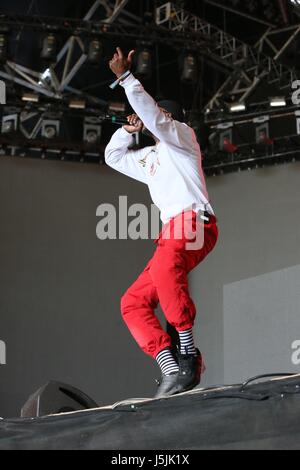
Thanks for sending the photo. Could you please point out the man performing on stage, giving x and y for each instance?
(172, 169)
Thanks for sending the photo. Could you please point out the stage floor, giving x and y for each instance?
(264, 415)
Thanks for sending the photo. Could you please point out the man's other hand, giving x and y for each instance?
(135, 124)
(119, 64)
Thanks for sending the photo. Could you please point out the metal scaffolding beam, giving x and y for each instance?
(296, 6)
(246, 66)
(283, 7)
(275, 42)
(225, 7)
(49, 83)
(53, 83)
(114, 9)
(269, 50)
(249, 65)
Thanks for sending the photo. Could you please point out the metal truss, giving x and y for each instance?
(248, 66)
(55, 84)
(296, 5)
(284, 7)
(238, 12)
(285, 153)
(71, 57)
(113, 9)
(276, 41)
(217, 163)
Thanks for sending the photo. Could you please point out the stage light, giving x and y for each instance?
(144, 64)
(95, 51)
(262, 131)
(221, 139)
(46, 77)
(296, 4)
(50, 128)
(264, 139)
(49, 47)
(190, 69)
(50, 132)
(3, 48)
(91, 137)
(92, 130)
(9, 123)
(30, 97)
(77, 104)
(117, 107)
(237, 107)
(277, 102)
(229, 146)
(297, 114)
(226, 138)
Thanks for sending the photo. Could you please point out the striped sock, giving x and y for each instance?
(187, 345)
(167, 362)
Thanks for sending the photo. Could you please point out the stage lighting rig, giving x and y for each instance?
(50, 128)
(190, 69)
(95, 50)
(77, 104)
(278, 102)
(115, 107)
(49, 47)
(237, 107)
(92, 130)
(30, 97)
(10, 123)
(144, 63)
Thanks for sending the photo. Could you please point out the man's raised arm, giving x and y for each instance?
(162, 127)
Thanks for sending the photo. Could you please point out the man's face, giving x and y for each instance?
(167, 114)
(147, 132)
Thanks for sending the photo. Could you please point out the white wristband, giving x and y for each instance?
(116, 83)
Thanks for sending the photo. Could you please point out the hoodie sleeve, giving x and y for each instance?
(118, 157)
(165, 129)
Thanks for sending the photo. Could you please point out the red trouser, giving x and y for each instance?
(165, 281)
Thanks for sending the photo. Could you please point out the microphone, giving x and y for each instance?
(116, 119)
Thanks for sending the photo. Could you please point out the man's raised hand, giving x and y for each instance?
(135, 124)
(119, 64)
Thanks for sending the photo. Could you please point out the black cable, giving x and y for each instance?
(265, 376)
(239, 395)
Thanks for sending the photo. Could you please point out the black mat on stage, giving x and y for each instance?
(260, 416)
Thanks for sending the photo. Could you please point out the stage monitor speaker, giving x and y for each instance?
(56, 398)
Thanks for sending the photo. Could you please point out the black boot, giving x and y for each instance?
(190, 369)
(167, 385)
